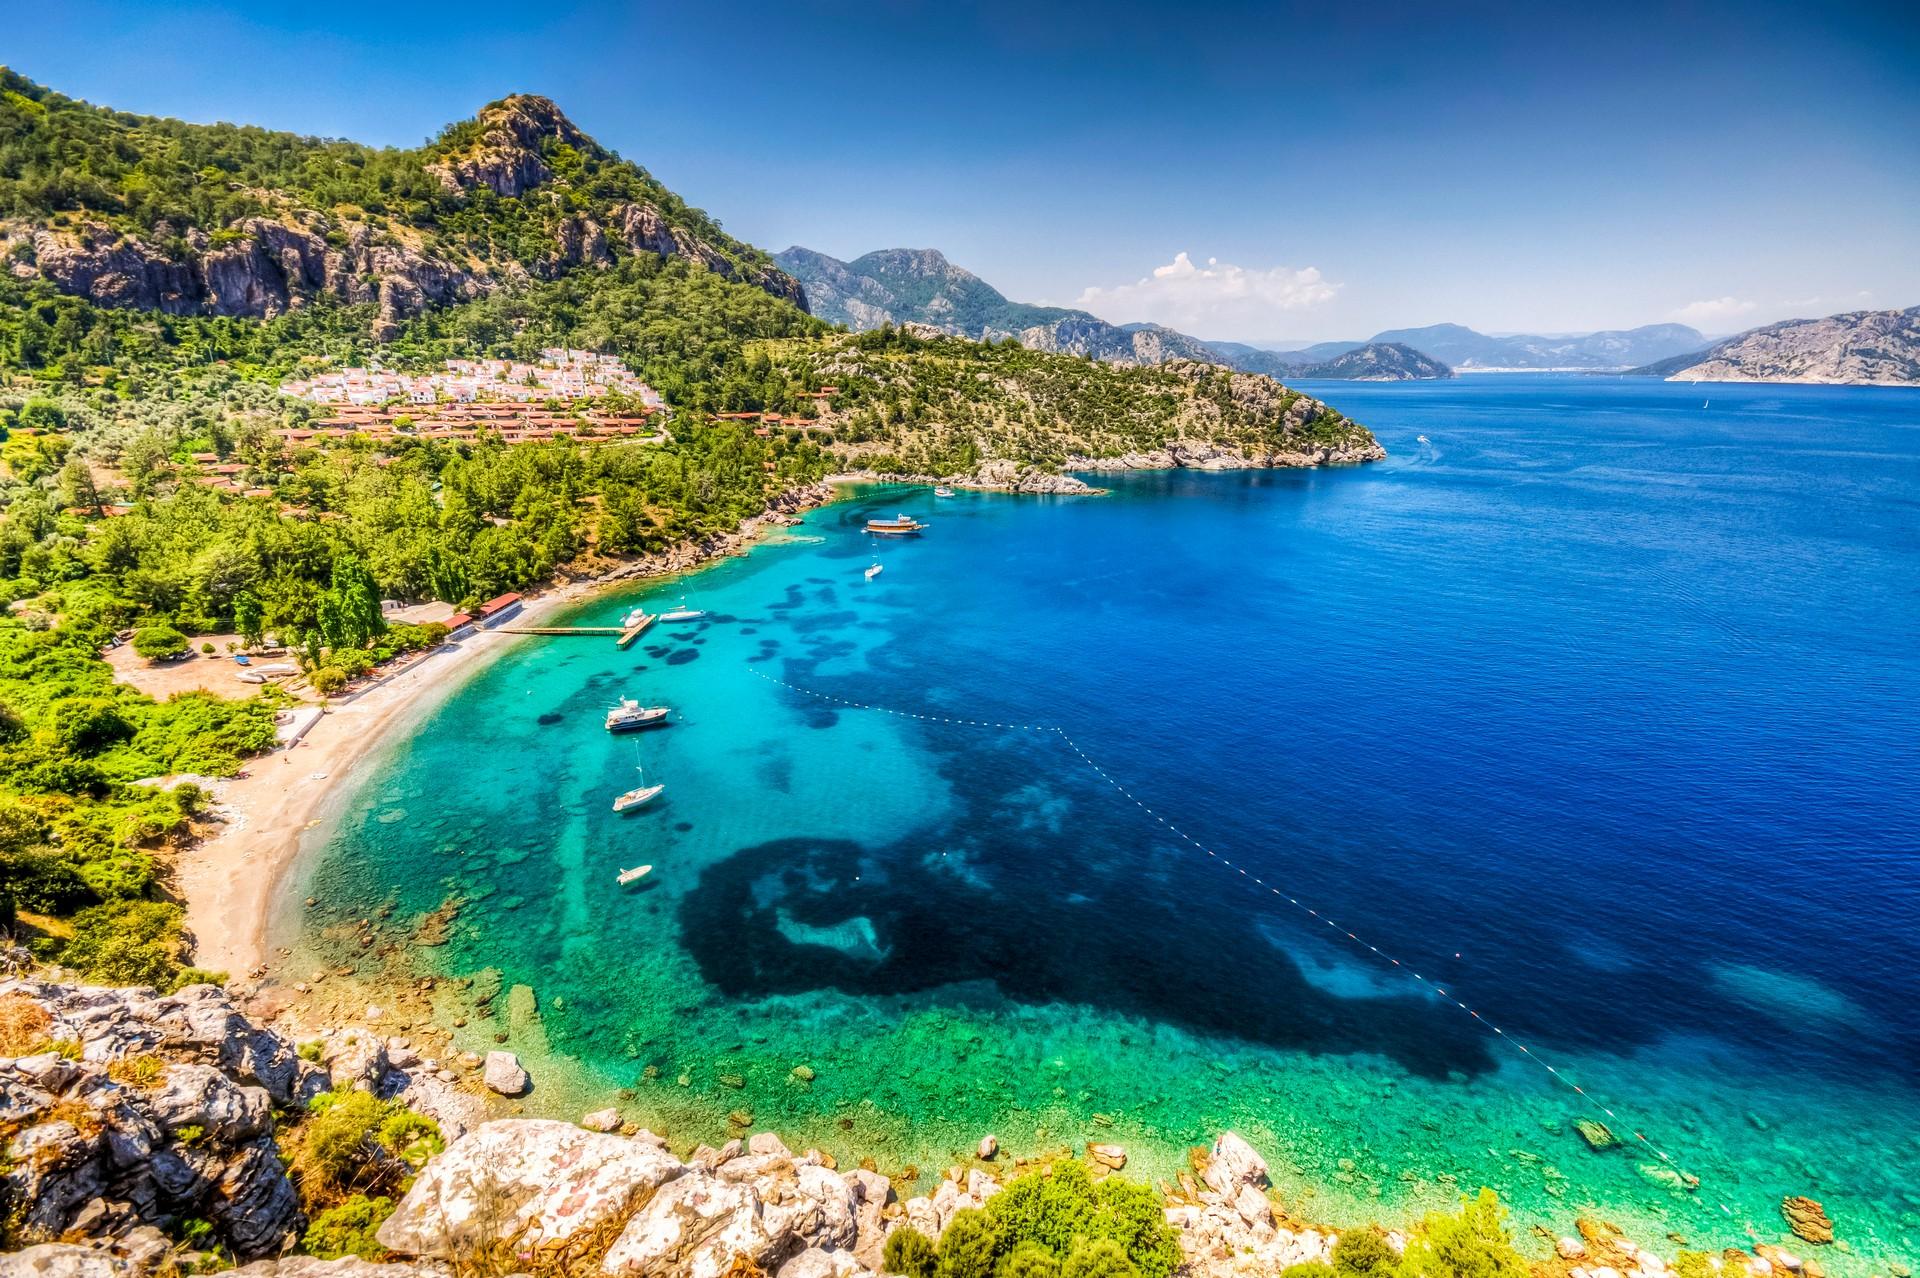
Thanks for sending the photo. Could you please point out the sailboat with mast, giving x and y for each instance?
(640, 794)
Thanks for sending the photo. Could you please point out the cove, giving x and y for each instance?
(1597, 710)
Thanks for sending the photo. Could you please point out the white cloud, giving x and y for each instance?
(1212, 300)
(1714, 311)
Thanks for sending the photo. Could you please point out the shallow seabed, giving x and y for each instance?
(1597, 710)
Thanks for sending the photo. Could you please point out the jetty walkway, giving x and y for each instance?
(625, 634)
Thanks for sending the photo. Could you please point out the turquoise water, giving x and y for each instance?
(1597, 710)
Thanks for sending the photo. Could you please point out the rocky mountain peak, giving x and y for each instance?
(920, 263)
(503, 147)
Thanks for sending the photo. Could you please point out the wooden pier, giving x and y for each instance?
(624, 634)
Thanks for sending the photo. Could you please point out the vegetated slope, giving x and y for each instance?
(912, 401)
(188, 219)
(1862, 348)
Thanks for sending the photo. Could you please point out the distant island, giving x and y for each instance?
(1859, 348)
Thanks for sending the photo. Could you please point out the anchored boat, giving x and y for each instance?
(640, 794)
(638, 872)
(873, 571)
(898, 526)
(630, 714)
(683, 613)
(943, 491)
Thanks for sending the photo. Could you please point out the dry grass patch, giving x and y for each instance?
(24, 1026)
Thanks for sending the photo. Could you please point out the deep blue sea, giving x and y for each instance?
(1599, 709)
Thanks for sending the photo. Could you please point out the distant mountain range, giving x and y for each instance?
(920, 286)
(1464, 349)
(899, 286)
(1875, 348)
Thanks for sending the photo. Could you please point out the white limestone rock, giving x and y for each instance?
(692, 1228)
(505, 1075)
(1233, 1164)
(550, 1179)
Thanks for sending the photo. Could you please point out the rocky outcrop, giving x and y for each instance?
(259, 268)
(505, 152)
(97, 1156)
(643, 229)
(156, 1109)
(197, 1024)
(1808, 1219)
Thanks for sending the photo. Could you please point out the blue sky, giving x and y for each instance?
(1253, 172)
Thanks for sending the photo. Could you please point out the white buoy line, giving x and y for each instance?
(1277, 892)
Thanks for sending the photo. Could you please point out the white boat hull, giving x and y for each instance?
(635, 798)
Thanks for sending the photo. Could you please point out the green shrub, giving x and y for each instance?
(1062, 1208)
(347, 1229)
(1028, 1260)
(126, 943)
(328, 680)
(88, 725)
(1363, 1253)
(196, 976)
(159, 643)
(909, 1253)
(1099, 1258)
(1470, 1244)
(1308, 1269)
(354, 1143)
(971, 1245)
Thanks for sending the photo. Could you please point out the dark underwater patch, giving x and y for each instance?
(683, 656)
(550, 717)
(1132, 951)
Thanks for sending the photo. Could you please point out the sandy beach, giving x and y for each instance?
(231, 879)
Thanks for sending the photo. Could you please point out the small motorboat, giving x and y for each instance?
(250, 676)
(898, 526)
(640, 794)
(630, 714)
(943, 491)
(242, 659)
(1423, 439)
(873, 571)
(635, 874)
(683, 613)
(633, 618)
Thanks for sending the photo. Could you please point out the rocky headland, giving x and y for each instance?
(1859, 348)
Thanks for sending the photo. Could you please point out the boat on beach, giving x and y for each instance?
(638, 872)
(630, 714)
(898, 526)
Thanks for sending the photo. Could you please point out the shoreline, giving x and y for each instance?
(231, 880)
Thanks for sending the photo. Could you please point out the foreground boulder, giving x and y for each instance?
(694, 1227)
(532, 1179)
